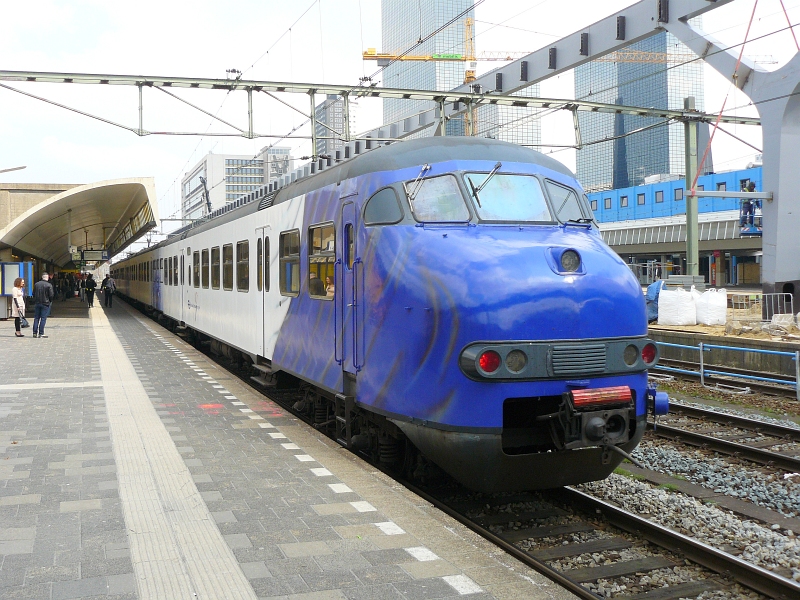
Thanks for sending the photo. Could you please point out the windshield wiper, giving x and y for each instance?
(476, 191)
(417, 183)
(582, 222)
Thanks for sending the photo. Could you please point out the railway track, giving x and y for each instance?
(734, 436)
(545, 526)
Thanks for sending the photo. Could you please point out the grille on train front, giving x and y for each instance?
(578, 359)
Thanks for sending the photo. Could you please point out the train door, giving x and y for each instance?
(262, 278)
(349, 306)
(181, 290)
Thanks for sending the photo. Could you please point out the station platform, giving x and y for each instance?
(133, 467)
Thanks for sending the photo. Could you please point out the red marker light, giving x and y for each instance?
(649, 354)
(489, 361)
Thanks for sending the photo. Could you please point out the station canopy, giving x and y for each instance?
(106, 216)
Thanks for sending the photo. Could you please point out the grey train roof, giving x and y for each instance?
(390, 157)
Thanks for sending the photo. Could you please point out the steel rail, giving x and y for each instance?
(756, 455)
(761, 427)
(748, 574)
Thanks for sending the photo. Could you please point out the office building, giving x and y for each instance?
(329, 115)
(403, 23)
(656, 72)
(229, 176)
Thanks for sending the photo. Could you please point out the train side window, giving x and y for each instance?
(169, 271)
(659, 196)
(565, 202)
(215, 267)
(436, 199)
(259, 263)
(350, 246)
(266, 264)
(383, 208)
(678, 194)
(204, 268)
(174, 270)
(321, 257)
(227, 267)
(290, 263)
(196, 268)
(243, 265)
(623, 201)
(640, 199)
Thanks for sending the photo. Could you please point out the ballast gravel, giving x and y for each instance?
(774, 491)
(755, 543)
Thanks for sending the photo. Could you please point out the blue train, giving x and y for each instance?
(444, 300)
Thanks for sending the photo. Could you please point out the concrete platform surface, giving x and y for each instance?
(131, 466)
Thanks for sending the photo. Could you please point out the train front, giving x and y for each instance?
(515, 338)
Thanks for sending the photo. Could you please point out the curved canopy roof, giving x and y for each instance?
(107, 215)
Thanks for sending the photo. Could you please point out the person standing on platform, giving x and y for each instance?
(43, 295)
(109, 285)
(90, 285)
(18, 305)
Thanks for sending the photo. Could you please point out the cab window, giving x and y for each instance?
(504, 198)
(436, 199)
(565, 202)
(383, 208)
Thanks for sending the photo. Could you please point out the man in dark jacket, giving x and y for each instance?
(42, 296)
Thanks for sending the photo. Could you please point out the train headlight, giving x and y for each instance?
(489, 361)
(516, 361)
(649, 353)
(570, 261)
(630, 355)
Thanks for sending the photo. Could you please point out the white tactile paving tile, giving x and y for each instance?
(390, 528)
(421, 553)
(463, 584)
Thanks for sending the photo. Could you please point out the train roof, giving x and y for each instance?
(389, 157)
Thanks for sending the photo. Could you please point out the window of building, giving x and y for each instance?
(594, 204)
(196, 268)
(607, 203)
(640, 199)
(215, 267)
(243, 265)
(321, 257)
(623, 201)
(678, 194)
(266, 264)
(227, 267)
(259, 262)
(290, 263)
(204, 269)
(383, 208)
(722, 186)
(659, 196)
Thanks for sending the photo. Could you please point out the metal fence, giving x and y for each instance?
(704, 372)
(761, 307)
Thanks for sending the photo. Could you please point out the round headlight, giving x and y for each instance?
(570, 261)
(631, 355)
(516, 361)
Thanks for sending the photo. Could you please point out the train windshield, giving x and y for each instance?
(566, 203)
(508, 197)
(437, 199)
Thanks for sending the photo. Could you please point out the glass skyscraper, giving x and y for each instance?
(403, 23)
(660, 78)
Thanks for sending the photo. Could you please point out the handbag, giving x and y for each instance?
(23, 322)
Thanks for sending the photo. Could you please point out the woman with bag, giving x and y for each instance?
(18, 306)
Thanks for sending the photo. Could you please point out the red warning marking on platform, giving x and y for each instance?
(212, 409)
(267, 407)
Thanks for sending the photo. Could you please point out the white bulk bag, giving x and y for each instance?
(676, 307)
(712, 307)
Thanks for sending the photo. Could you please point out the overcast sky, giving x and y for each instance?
(310, 41)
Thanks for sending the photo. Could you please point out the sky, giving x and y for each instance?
(308, 41)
